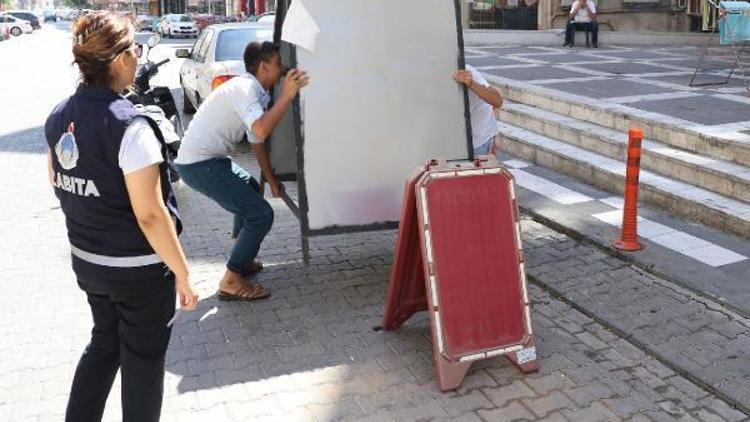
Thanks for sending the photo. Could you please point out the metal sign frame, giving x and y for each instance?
(468, 169)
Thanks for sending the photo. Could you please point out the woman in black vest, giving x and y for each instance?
(108, 170)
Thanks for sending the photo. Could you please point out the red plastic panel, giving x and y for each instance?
(476, 263)
(406, 289)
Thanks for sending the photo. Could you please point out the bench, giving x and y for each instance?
(584, 27)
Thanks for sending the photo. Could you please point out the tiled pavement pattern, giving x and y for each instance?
(647, 79)
(694, 336)
(310, 353)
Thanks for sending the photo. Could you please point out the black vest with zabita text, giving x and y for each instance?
(84, 134)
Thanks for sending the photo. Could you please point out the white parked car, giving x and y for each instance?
(14, 25)
(216, 57)
(177, 26)
(267, 17)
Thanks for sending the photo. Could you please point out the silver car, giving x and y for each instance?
(14, 26)
(217, 57)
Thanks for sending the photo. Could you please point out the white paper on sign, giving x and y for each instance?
(299, 28)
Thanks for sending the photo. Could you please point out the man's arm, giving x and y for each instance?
(590, 10)
(574, 8)
(489, 94)
(261, 155)
(266, 123)
(144, 191)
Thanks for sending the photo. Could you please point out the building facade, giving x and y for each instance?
(613, 15)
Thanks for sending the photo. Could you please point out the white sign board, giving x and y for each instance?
(381, 102)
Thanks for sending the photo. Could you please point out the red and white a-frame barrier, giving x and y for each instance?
(459, 256)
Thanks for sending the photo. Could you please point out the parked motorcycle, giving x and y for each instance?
(158, 103)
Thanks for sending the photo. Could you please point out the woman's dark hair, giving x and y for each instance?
(97, 39)
(256, 52)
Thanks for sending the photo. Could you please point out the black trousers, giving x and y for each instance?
(130, 333)
(573, 26)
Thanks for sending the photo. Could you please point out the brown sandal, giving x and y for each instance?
(247, 293)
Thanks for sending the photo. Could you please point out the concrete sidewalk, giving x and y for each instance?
(310, 352)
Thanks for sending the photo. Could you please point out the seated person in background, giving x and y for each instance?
(482, 99)
(582, 17)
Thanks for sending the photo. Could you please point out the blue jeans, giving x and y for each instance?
(239, 193)
(485, 148)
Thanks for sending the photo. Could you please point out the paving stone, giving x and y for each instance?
(554, 417)
(542, 406)
(344, 409)
(515, 391)
(423, 411)
(543, 385)
(719, 407)
(640, 417)
(593, 413)
(477, 379)
(513, 411)
(730, 329)
(505, 375)
(625, 406)
(676, 396)
(677, 412)
(587, 394)
(379, 416)
(457, 405)
(466, 417)
(642, 374)
(591, 341)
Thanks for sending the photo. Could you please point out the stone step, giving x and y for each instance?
(716, 142)
(677, 197)
(726, 178)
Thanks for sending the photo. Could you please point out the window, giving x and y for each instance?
(180, 18)
(232, 42)
(206, 45)
(198, 45)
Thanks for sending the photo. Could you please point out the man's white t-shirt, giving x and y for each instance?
(483, 122)
(222, 119)
(582, 15)
(139, 147)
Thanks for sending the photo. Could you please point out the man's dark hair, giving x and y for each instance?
(256, 52)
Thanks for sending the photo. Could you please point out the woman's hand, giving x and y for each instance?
(187, 293)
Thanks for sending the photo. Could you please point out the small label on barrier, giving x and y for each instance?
(526, 355)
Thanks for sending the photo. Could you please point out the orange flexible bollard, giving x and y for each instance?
(629, 238)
